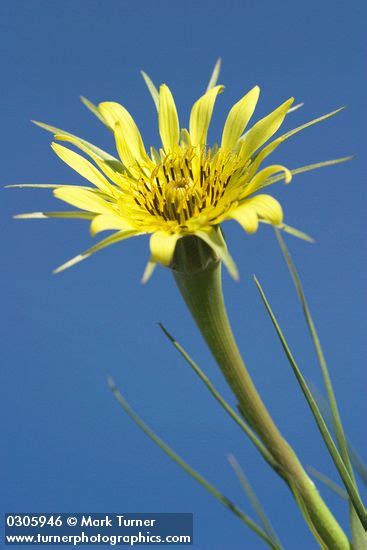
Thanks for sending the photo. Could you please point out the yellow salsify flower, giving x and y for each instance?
(185, 187)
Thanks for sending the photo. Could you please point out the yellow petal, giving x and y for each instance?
(106, 222)
(116, 115)
(247, 217)
(162, 247)
(263, 207)
(266, 151)
(201, 114)
(169, 127)
(112, 169)
(82, 166)
(84, 199)
(238, 118)
(258, 181)
(264, 129)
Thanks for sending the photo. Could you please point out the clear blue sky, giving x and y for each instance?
(67, 444)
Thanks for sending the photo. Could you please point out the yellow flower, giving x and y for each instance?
(184, 188)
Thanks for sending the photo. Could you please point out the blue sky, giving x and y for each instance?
(67, 444)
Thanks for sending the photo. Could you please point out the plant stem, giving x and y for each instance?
(197, 272)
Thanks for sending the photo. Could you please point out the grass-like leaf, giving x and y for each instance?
(188, 469)
(231, 412)
(334, 409)
(328, 482)
(358, 464)
(255, 502)
(332, 405)
(332, 448)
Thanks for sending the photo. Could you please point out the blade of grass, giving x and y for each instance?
(241, 423)
(193, 473)
(255, 503)
(332, 448)
(328, 482)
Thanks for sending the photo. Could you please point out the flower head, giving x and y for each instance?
(184, 188)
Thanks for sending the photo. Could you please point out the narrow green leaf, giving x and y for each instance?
(334, 409)
(96, 150)
(337, 426)
(307, 168)
(36, 186)
(292, 231)
(215, 75)
(255, 503)
(328, 482)
(241, 423)
(111, 239)
(357, 462)
(186, 467)
(332, 448)
(73, 214)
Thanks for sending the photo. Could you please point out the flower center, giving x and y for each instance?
(187, 186)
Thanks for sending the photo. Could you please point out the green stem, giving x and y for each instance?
(197, 272)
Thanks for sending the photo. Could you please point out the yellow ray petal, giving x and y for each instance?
(201, 114)
(112, 169)
(169, 127)
(261, 177)
(264, 129)
(162, 247)
(116, 237)
(238, 118)
(264, 207)
(266, 151)
(106, 222)
(116, 115)
(82, 166)
(246, 217)
(84, 199)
